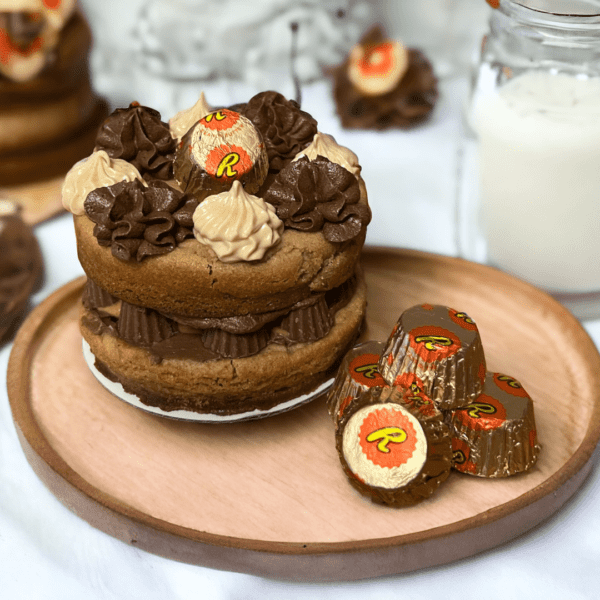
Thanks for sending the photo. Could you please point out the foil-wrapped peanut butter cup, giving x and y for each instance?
(358, 372)
(442, 348)
(394, 445)
(495, 436)
(220, 148)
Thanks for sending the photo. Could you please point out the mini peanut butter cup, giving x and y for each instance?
(142, 326)
(394, 445)
(442, 348)
(495, 436)
(219, 149)
(358, 372)
(232, 345)
(308, 323)
(96, 297)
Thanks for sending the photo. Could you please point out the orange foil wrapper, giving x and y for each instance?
(495, 436)
(393, 445)
(357, 373)
(440, 347)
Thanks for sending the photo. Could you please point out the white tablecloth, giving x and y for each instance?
(46, 552)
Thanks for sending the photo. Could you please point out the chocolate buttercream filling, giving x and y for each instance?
(211, 339)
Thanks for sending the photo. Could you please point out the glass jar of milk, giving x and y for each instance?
(535, 111)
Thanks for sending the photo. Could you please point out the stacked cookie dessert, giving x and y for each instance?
(49, 114)
(222, 254)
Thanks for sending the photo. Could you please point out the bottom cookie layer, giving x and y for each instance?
(118, 390)
(275, 376)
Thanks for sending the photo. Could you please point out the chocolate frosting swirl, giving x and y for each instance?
(138, 221)
(319, 195)
(285, 128)
(137, 135)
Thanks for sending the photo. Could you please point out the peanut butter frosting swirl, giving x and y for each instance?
(325, 145)
(96, 171)
(236, 225)
(319, 195)
(137, 134)
(285, 128)
(183, 121)
(137, 221)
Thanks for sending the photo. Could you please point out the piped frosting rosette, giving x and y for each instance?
(358, 373)
(393, 445)
(96, 171)
(184, 120)
(495, 435)
(325, 145)
(236, 225)
(442, 348)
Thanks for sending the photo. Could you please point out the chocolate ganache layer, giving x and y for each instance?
(137, 134)
(202, 339)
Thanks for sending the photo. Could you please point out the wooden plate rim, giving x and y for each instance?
(33, 329)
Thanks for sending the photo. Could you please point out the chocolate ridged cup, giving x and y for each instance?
(394, 445)
(495, 436)
(219, 149)
(442, 348)
(358, 372)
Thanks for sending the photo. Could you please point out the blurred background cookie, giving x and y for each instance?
(21, 267)
(49, 113)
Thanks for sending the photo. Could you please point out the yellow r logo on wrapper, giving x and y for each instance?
(387, 435)
(219, 116)
(433, 342)
(225, 166)
(368, 371)
(477, 408)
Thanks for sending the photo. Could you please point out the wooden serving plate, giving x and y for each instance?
(269, 497)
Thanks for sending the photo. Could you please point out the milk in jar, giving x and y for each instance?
(539, 163)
